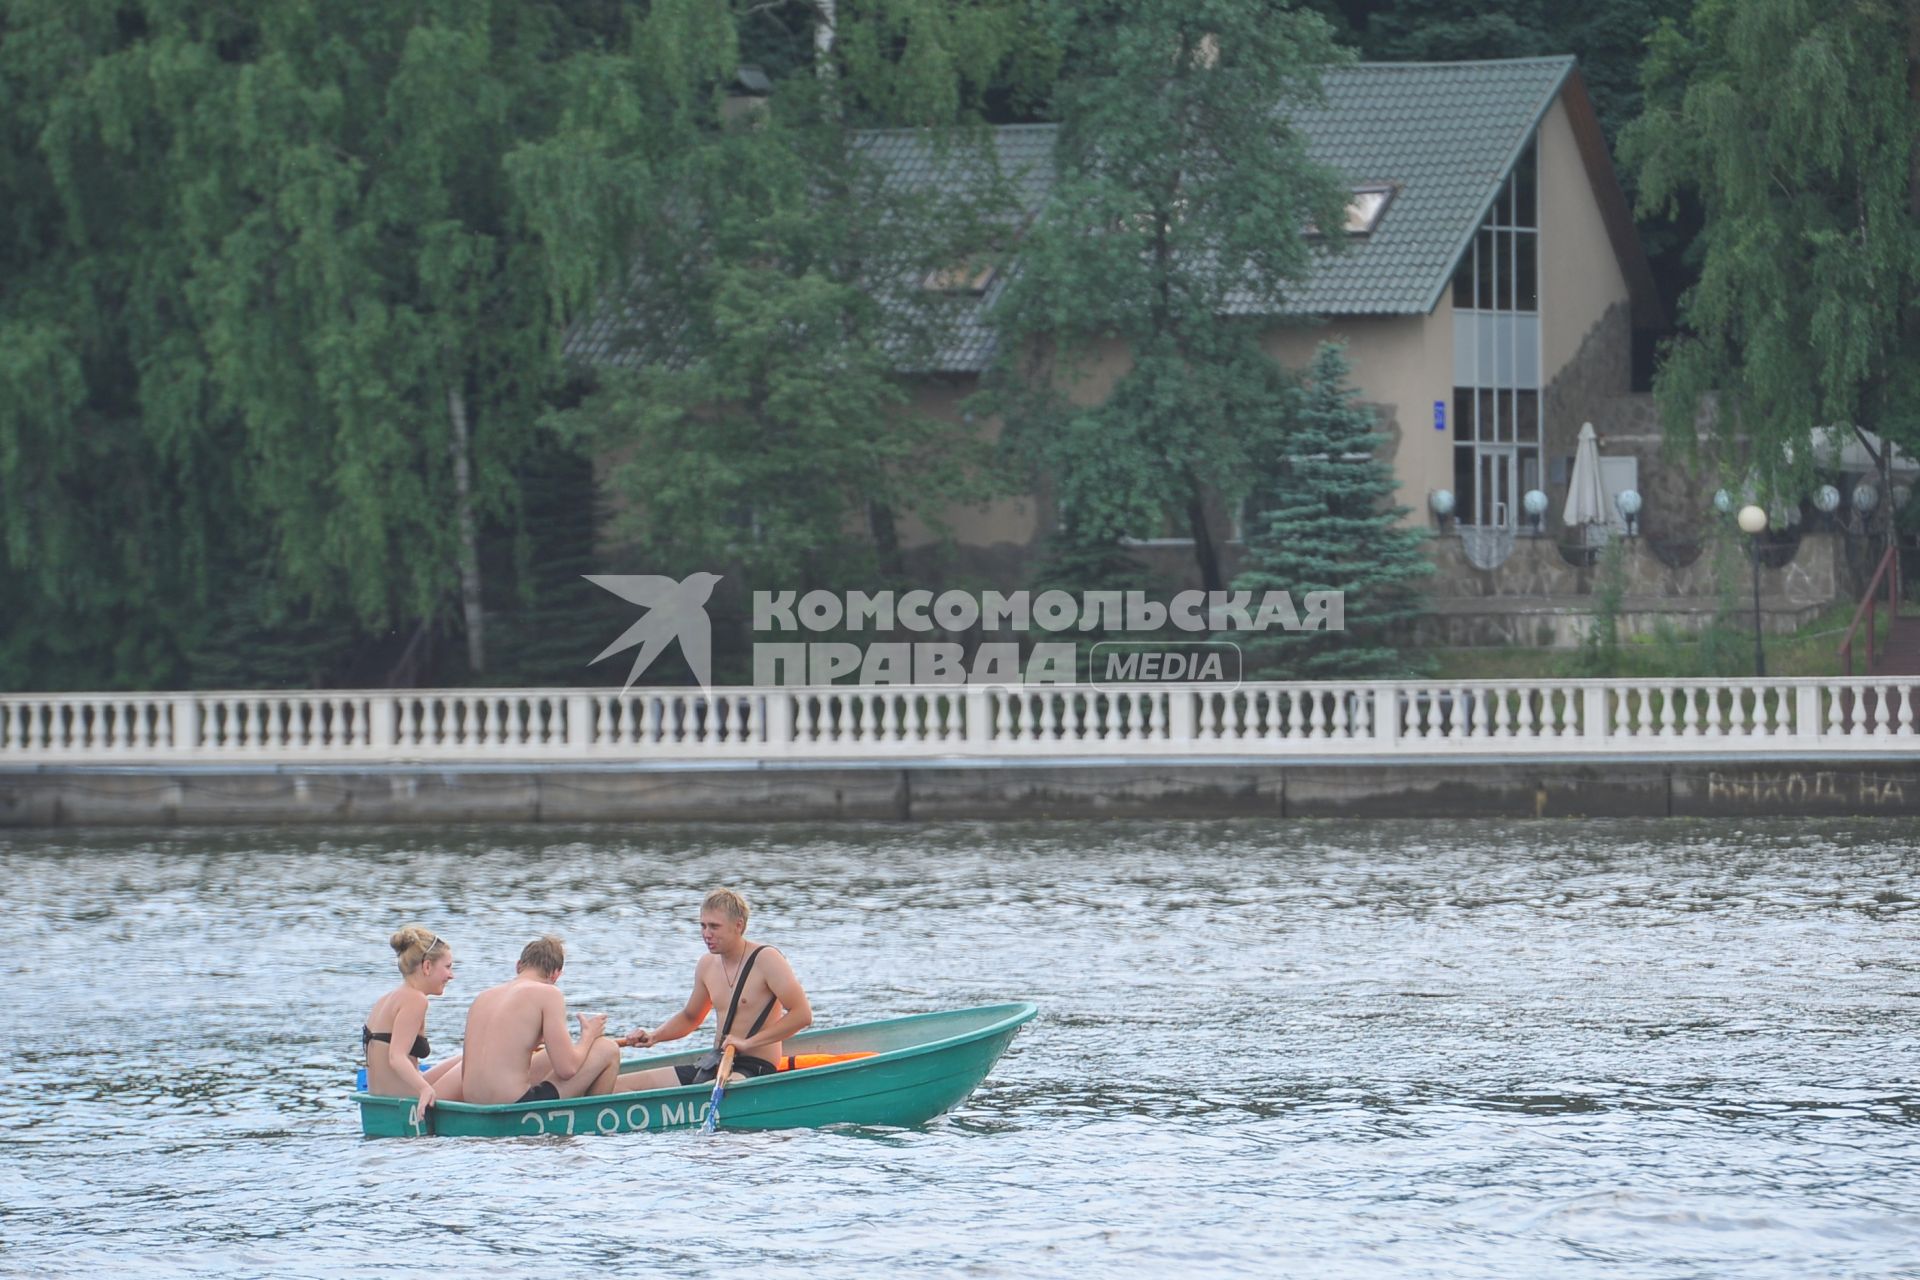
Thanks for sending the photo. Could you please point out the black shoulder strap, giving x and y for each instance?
(761, 1021)
(739, 985)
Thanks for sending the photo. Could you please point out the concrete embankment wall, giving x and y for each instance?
(1614, 786)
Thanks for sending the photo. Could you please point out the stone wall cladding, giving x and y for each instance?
(1677, 491)
(1538, 570)
(1538, 598)
(1600, 371)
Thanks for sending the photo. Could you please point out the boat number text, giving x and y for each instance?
(613, 1120)
(605, 1120)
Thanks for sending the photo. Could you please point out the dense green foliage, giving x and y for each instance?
(275, 334)
(758, 423)
(1323, 519)
(284, 289)
(115, 476)
(1178, 183)
(1608, 36)
(763, 416)
(1792, 125)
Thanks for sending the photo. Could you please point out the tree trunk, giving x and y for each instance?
(825, 24)
(1203, 550)
(886, 539)
(469, 551)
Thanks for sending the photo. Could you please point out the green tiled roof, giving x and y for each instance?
(1023, 155)
(1444, 135)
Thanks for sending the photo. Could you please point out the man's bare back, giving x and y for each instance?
(508, 1023)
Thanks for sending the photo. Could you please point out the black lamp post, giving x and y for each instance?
(1753, 523)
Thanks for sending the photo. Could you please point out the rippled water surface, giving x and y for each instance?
(1396, 1048)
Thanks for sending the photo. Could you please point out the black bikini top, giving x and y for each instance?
(420, 1046)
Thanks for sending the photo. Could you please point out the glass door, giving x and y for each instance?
(1496, 487)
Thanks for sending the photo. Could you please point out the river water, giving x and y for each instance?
(1319, 1049)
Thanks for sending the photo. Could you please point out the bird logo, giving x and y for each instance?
(675, 611)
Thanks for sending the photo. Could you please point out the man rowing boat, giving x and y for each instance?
(761, 1002)
(507, 1025)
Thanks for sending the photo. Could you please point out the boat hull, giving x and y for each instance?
(923, 1066)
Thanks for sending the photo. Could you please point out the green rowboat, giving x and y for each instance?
(923, 1066)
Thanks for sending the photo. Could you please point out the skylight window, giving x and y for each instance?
(1365, 205)
(971, 278)
(1365, 208)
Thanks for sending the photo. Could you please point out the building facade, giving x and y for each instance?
(1488, 295)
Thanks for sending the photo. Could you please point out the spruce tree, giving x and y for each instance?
(1326, 521)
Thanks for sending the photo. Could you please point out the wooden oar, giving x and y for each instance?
(719, 1088)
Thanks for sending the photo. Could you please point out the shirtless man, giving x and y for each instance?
(507, 1023)
(771, 1006)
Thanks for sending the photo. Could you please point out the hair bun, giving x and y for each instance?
(405, 939)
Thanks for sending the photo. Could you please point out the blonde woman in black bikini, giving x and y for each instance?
(394, 1037)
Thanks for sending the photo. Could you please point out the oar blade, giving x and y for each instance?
(712, 1121)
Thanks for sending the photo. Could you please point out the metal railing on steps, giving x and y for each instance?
(1888, 571)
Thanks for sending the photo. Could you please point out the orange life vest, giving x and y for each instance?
(801, 1061)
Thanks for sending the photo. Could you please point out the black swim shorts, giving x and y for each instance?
(744, 1065)
(545, 1091)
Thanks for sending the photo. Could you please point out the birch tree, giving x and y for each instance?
(1793, 126)
(272, 295)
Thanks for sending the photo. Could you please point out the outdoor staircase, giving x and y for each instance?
(1899, 652)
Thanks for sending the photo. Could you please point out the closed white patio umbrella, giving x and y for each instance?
(1586, 499)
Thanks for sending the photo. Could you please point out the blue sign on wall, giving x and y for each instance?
(1439, 415)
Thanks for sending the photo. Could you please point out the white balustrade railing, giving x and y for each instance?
(1304, 721)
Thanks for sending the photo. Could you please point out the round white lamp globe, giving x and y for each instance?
(1865, 497)
(1441, 500)
(1722, 501)
(1535, 502)
(1753, 520)
(1827, 499)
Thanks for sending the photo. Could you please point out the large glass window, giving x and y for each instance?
(1496, 358)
